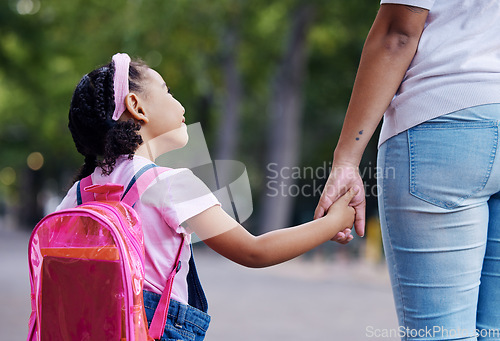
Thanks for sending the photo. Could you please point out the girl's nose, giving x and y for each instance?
(183, 110)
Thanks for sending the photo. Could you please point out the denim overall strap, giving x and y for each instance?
(196, 296)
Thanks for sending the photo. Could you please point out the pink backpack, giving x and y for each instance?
(87, 268)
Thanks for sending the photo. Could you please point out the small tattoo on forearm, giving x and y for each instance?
(360, 133)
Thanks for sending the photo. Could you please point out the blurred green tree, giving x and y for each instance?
(221, 58)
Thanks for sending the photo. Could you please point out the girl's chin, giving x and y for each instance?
(179, 142)
(184, 142)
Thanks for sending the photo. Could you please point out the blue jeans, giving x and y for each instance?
(439, 202)
(184, 322)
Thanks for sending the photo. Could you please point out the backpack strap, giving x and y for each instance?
(81, 195)
(140, 182)
(136, 187)
(159, 320)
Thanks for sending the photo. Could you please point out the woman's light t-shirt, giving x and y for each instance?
(456, 66)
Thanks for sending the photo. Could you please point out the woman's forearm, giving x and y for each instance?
(387, 54)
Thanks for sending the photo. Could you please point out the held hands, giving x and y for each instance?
(341, 213)
(343, 177)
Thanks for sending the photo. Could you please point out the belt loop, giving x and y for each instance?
(181, 316)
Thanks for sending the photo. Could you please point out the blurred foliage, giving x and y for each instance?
(46, 46)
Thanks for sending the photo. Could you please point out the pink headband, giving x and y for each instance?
(120, 83)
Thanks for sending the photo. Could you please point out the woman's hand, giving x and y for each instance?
(343, 177)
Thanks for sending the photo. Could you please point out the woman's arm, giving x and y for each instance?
(227, 237)
(388, 51)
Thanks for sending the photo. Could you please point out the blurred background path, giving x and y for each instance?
(305, 299)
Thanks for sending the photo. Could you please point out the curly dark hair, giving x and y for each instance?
(97, 137)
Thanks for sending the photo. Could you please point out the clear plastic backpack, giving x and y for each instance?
(87, 267)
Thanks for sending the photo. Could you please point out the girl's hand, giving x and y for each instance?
(341, 213)
(342, 177)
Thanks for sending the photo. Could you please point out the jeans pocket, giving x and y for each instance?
(450, 162)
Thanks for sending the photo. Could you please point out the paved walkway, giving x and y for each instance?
(305, 300)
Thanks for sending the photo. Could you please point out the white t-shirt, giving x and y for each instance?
(457, 64)
(177, 196)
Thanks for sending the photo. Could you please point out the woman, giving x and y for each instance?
(433, 68)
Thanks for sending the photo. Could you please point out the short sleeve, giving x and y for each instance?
(426, 4)
(70, 199)
(182, 196)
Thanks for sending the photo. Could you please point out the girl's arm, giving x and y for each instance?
(388, 51)
(227, 237)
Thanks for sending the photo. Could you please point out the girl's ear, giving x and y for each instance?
(135, 108)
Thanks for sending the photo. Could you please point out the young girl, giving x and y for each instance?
(122, 117)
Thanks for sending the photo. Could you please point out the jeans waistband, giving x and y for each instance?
(477, 113)
(178, 313)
